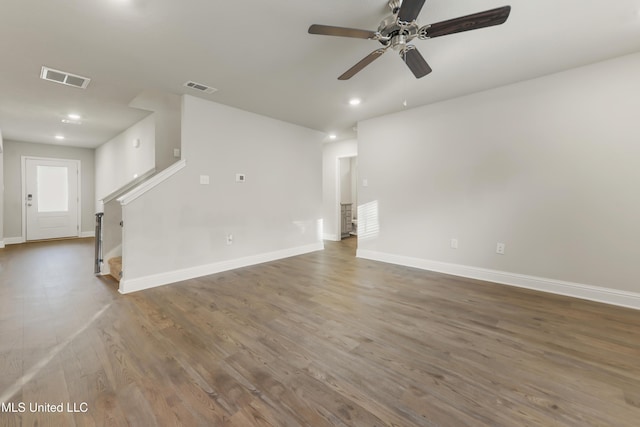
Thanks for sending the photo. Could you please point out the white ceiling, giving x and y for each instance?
(260, 58)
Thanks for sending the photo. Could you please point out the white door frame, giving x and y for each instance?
(337, 208)
(23, 170)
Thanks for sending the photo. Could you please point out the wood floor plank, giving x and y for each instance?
(323, 339)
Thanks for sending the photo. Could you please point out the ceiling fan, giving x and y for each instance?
(401, 27)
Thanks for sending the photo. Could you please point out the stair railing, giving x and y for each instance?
(97, 268)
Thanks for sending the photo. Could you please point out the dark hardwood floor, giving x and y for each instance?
(322, 339)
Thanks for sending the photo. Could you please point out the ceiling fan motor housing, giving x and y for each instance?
(395, 35)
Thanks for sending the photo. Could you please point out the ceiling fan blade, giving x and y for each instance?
(409, 10)
(488, 18)
(415, 61)
(360, 65)
(327, 30)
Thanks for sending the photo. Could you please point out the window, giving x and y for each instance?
(53, 189)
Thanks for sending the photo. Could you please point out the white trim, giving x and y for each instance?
(332, 237)
(337, 209)
(14, 240)
(1, 244)
(23, 171)
(128, 186)
(338, 205)
(79, 195)
(152, 182)
(20, 240)
(571, 289)
(152, 281)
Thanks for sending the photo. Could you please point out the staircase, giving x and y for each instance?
(115, 267)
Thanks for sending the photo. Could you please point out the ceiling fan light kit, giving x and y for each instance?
(401, 27)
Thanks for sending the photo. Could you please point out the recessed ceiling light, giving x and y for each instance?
(74, 116)
(354, 101)
(333, 136)
(59, 137)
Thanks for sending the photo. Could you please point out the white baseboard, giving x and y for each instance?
(152, 281)
(20, 240)
(571, 289)
(1, 244)
(332, 237)
(13, 240)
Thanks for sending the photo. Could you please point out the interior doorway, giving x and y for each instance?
(51, 196)
(347, 197)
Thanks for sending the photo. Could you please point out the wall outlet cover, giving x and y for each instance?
(240, 177)
(204, 179)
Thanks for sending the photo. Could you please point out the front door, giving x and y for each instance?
(51, 198)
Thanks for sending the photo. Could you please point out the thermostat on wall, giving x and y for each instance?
(240, 177)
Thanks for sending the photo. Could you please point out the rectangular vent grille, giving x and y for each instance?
(200, 87)
(64, 78)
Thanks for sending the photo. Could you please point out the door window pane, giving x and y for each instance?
(53, 189)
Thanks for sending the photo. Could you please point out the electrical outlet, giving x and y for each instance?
(204, 179)
(454, 243)
(229, 239)
(176, 152)
(500, 248)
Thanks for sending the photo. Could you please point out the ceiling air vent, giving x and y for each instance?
(64, 78)
(200, 87)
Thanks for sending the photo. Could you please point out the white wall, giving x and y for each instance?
(346, 180)
(111, 233)
(549, 166)
(354, 186)
(331, 153)
(167, 137)
(166, 108)
(179, 229)
(117, 160)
